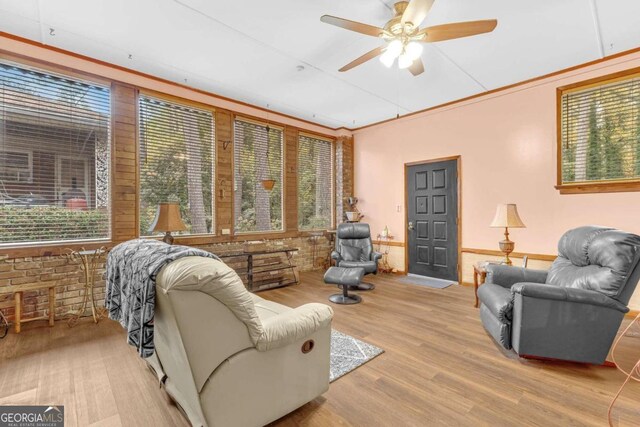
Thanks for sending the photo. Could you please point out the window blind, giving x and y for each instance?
(257, 161)
(54, 157)
(601, 133)
(315, 183)
(176, 163)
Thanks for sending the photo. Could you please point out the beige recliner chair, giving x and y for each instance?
(231, 358)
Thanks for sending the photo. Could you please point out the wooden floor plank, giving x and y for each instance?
(439, 368)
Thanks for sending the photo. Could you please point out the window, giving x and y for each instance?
(315, 183)
(599, 141)
(257, 159)
(16, 166)
(54, 157)
(176, 163)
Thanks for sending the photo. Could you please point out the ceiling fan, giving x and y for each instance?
(404, 37)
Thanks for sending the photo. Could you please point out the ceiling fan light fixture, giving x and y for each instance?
(413, 50)
(395, 48)
(388, 58)
(404, 36)
(404, 61)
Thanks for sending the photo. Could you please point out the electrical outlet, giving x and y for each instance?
(225, 231)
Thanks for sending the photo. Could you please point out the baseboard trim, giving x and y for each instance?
(398, 273)
(388, 243)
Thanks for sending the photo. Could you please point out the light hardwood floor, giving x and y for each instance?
(439, 368)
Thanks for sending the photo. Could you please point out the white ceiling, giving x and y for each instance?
(249, 50)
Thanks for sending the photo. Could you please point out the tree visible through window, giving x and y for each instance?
(315, 183)
(600, 140)
(176, 163)
(257, 164)
(54, 157)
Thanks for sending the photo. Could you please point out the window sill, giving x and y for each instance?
(51, 249)
(599, 187)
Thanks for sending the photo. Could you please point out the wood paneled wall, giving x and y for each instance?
(290, 201)
(224, 171)
(124, 171)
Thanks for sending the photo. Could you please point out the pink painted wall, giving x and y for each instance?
(507, 141)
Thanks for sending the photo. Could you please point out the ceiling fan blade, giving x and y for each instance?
(417, 67)
(457, 30)
(416, 11)
(358, 27)
(364, 58)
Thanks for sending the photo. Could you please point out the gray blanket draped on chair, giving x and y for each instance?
(130, 296)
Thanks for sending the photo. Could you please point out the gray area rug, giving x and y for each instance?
(432, 282)
(348, 353)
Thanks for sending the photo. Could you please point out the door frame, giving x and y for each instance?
(458, 159)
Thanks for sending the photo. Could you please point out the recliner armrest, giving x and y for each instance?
(335, 255)
(376, 256)
(560, 293)
(507, 275)
(294, 325)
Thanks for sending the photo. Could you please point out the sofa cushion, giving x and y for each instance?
(498, 300)
(354, 231)
(356, 235)
(351, 253)
(369, 266)
(595, 258)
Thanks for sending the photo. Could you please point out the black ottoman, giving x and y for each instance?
(344, 277)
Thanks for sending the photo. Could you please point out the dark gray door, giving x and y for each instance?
(432, 219)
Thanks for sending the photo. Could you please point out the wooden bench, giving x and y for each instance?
(18, 290)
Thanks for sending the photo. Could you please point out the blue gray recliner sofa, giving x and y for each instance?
(571, 312)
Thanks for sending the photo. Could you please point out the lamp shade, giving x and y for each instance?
(167, 218)
(507, 216)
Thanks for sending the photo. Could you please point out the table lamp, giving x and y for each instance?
(507, 216)
(167, 220)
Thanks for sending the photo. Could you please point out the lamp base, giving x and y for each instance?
(168, 238)
(506, 246)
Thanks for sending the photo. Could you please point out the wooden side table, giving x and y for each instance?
(479, 276)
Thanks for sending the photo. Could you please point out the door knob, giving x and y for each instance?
(410, 225)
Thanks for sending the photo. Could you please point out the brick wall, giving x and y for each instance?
(69, 279)
(58, 270)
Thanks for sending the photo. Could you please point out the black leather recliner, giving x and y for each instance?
(354, 248)
(573, 311)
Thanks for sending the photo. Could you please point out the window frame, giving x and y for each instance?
(58, 247)
(29, 154)
(168, 98)
(608, 186)
(332, 224)
(282, 129)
